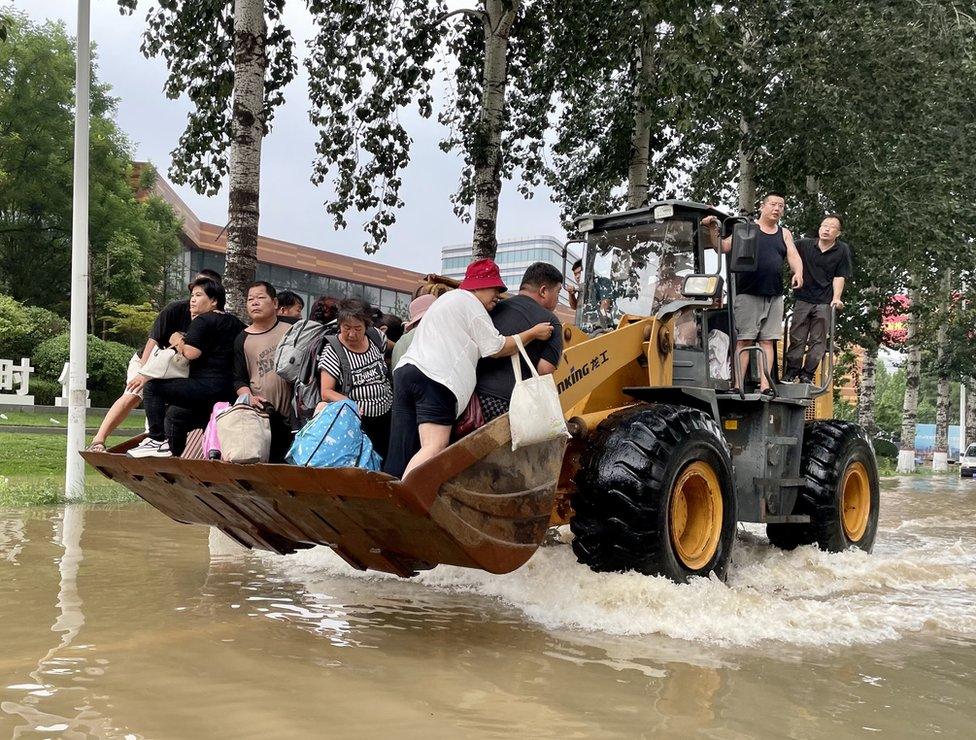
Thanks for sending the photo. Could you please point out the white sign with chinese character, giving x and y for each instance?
(62, 400)
(15, 382)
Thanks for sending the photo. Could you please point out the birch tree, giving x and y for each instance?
(909, 418)
(940, 448)
(970, 414)
(630, 80)
(866, 388)
(232, 59)
(370, 62)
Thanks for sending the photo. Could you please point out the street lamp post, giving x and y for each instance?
(74, 479)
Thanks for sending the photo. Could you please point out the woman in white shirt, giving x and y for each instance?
(435, 378)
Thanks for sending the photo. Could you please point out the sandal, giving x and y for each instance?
(96, 447)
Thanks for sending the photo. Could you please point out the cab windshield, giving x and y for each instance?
(634, 270)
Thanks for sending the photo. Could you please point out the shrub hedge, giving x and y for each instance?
(107, 363)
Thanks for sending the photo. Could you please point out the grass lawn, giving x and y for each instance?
(38, 419)
(32, 473)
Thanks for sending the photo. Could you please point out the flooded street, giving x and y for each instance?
(116, 622)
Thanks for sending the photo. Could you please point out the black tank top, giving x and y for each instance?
(767, 280)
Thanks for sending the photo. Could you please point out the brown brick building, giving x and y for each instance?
(309, 272)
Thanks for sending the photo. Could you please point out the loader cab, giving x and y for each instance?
(636, 263)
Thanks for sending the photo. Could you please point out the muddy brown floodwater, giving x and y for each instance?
(120, 623)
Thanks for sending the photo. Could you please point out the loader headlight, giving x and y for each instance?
(701, 286)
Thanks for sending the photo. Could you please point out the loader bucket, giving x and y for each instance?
(477, 504)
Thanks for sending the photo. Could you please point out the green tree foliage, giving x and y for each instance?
(371, 61)
(197, 41)
(632, 82)
(129, 324)
(23, 328)
(888, 398)
(36, 140)
(366, 65)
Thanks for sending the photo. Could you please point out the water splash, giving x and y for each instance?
(922, 577)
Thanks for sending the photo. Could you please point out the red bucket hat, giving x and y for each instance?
(482, 274)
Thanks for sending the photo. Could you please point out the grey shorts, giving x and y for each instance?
(758, 317)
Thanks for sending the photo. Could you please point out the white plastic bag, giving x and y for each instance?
(718, 355)
(534, 413)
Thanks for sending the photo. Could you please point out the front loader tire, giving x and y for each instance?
(841, 494)
(655, 495)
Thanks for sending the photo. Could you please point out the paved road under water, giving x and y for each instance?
(120, 623)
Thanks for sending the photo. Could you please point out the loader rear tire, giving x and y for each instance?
(654, 495)
(841, 494)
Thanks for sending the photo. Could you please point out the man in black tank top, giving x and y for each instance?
(758, 301)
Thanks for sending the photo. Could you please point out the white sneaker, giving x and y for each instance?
(150, 448)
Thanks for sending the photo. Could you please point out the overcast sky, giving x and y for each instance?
(291, 207)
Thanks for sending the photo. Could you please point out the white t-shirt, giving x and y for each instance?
(456, 332)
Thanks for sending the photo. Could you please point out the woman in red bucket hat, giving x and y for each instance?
(434, 380)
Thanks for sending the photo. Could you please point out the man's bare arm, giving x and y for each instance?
(719, 245)
(838, 284)
(793, 257)
(545, 367)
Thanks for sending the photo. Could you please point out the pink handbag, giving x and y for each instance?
(211, 443)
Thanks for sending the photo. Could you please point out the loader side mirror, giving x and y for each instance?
(744, 257)
(702, 286)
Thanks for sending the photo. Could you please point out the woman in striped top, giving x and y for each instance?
(361, 373)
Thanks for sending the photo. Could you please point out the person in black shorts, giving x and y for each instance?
(826, 267)
(537, 297)
(435, 378)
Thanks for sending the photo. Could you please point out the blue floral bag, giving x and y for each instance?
(334, 438)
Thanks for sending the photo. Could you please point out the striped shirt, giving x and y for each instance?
(371, 388)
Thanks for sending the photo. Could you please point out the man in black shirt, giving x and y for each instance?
(826, 267)
(537, 297)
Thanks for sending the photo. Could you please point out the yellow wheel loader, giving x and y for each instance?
(670, 443)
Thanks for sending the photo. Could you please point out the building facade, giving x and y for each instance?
(309, 272)
(513, 256)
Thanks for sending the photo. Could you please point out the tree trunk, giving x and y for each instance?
(940, 457)
(747, 171)
(906, 454)
(865, 396)
(970, 412)
(940, 451)
(487, 156)
(247, 131)
(640, 137)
